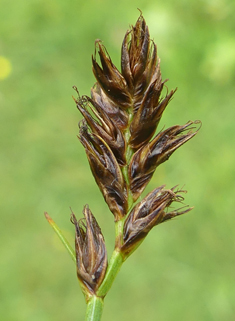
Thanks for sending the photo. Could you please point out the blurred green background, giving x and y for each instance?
(184, 270)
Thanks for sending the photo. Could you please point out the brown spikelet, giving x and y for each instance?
(151, 211)
(148, 115)
(106, 171)
(110, 79)
(104, 127)
(145, 161)
(91, 255)
(139, 56)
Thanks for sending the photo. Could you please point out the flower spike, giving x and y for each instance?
(123, 148)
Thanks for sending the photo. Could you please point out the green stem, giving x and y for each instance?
(111, 273)
(119, 232)
(128, 154)
(94, 309)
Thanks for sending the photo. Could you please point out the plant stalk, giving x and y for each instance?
(111, 273)
(94, 309)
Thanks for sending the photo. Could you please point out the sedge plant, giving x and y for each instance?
(123, 148)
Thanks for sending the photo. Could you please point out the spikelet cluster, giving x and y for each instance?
(118, 132)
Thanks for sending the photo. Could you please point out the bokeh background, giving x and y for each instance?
(184, 270)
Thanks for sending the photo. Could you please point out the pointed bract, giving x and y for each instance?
(91, 255)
